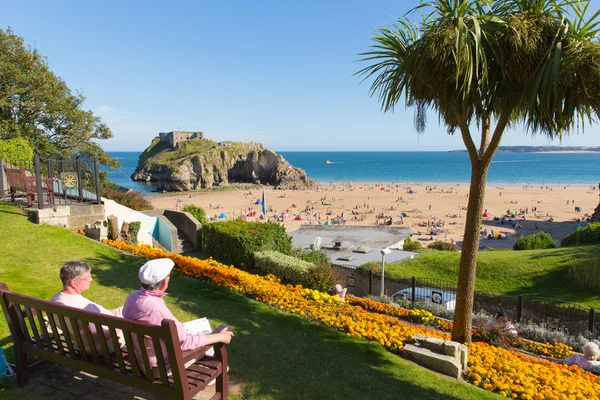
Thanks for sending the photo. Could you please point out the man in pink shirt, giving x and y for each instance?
(148, 305)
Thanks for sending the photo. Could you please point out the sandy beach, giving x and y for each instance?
(430, 210)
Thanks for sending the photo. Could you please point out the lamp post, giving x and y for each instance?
(383, 253)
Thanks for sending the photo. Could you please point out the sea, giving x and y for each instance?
(555, 169)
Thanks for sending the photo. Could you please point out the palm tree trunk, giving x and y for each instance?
(461, 332)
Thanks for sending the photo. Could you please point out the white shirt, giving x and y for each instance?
(78, 301)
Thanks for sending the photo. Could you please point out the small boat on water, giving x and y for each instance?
(327, 162)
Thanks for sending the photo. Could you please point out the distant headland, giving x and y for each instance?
(187, 160)
(542, 149)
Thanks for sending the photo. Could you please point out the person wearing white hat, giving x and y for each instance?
(340, 292)
(147, 305)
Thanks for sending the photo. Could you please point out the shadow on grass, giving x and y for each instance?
(279, 355)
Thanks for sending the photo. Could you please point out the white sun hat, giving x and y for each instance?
(155, 271)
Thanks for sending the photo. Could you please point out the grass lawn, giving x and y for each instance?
(533, 272)
(276, 355)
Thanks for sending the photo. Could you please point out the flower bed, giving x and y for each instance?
(502, 371)
(557, 350)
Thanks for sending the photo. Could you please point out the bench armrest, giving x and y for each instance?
(195, 353)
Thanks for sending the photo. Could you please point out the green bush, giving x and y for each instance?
(444, 246)
(538, 240)
(235, 242)
(590, 234)
(132, 199)
(295, 271)
(312, 256)
(287, 268)
(16, 151)
(134, 229)
(320, 277)
(586, 273)
(197, 212)
(412, 245)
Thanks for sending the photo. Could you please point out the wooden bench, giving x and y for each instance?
(39, 328)
(18, 180)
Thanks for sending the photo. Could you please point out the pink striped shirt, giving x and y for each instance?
(148, 306)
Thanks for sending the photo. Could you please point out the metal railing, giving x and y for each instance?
(72, 181)
(552, 313)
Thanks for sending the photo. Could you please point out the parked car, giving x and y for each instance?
(429, 295)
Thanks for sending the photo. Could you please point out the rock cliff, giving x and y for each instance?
(205, 164)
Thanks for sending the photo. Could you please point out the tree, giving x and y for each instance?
(490, 65)
(38, 106)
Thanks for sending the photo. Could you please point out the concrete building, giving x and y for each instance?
(176, 137)
(352, 246)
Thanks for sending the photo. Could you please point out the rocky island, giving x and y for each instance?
(180, 161)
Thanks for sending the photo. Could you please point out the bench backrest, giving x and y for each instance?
(17, 179)
(39, 328)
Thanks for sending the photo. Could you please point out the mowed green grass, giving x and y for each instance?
(275, 355)
(542, 273)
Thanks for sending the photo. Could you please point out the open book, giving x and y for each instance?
(200, 325)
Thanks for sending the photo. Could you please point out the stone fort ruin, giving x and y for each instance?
(176, 137)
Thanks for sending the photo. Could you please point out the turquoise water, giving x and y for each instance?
(412, 166)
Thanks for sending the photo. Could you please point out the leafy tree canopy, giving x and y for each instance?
(38, 106)
(15, 151)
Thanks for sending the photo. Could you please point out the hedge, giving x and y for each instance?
(287, 268)
(589, 234)
(235, 242)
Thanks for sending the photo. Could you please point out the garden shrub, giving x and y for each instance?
(134, 229)
(320, 277)
(535, 241)
(444, 246)
(412, 245)
(587, 273)
(287, 268)
(132, 199)
(235, 242)
(197, 212)
(589, 234)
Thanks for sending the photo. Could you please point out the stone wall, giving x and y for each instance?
(74, 216)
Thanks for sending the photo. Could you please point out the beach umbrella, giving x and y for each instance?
(222, 215)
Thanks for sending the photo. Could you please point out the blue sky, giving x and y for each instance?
(276, 72)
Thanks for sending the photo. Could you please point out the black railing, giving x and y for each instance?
(552, 313)
(58, 181)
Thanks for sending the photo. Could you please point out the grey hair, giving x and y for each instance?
(591, 351)
(152, 286)
(72, 270)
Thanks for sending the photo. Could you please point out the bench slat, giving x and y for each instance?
(46, 343)
(117, 349)
(33, 324)
(53, 326)
(90, 340)
(141, 345)
(78, 338)
(130, 350)
(66, 335)
(22, 324)
(102, 340)
(160, 360)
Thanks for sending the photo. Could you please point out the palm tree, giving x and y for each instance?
(485, 66)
